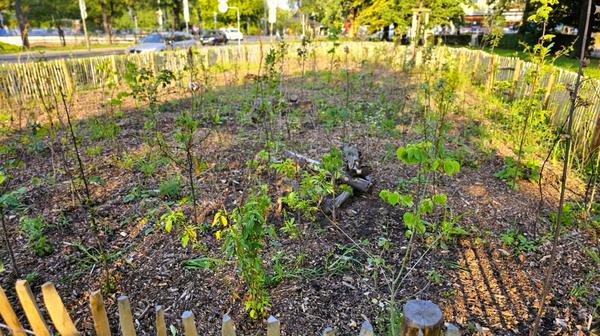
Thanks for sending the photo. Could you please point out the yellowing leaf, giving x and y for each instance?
(218, 235)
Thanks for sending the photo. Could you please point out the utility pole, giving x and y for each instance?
(83, 11)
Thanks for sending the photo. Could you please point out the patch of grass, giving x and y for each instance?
(563, 62)
(6, 48)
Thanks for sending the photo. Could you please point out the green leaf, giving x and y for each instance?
(409, 219)
(451, 167)
(3, 177)
(390, 197)
(440, 199)
(407, 201)
(426, 205)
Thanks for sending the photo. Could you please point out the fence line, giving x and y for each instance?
(63, 324)
(22, 82)
(556, 84)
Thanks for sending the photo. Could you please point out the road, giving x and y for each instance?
(80, 53)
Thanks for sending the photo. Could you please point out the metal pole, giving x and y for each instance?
(238, 22)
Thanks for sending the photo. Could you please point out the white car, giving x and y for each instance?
(163, 41)
(233, 34)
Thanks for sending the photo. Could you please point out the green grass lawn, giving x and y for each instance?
(564, 62)
(9, 48)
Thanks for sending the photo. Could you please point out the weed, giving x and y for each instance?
(34, 228)
(170, 187)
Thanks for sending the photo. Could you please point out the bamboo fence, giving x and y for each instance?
(62, 323)
(23, 82)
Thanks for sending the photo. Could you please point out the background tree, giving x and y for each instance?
(23, 26)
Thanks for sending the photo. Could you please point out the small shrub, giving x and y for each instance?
(34, 228)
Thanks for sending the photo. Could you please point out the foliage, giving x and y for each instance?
(530, 171)
(34, 228)
(170, 187)
(188, 233)
(517, 240)
(244, 231)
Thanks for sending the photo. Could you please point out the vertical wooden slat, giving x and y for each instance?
(228, 328)
(549, 87)
(125, 316)
(57, 311)
(31, 309)
(99, 314)
(161, 326)
(366, 329)
(189, 325)
(273, 326)
(9, 316)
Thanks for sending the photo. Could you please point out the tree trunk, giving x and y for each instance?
(176, 13)
(106, 21)
(23, 25)
(526, 13)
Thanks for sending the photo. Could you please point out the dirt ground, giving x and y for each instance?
(481, 285)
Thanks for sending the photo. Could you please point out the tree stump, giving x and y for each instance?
(422, 318)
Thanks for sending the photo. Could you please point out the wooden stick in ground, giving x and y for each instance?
(228, 328)
(161, 326)
(57, 311)
(421, 318)
(9, 317)
(31, 309)
(366, 329)
(273, 326)
(549, 276)
(125, 316)
(189, 325)
(99, 314)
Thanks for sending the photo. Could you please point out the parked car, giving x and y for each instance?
(213, 37)
(233, 34)
(163, 41)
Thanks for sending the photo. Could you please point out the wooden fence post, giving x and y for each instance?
(421, 318)
(516, 76)
(99, 314)
(189, 325)
(366, 329)
(67, 75)
(161, 326)
(125, 316)
(549, 87)
(228, 328)
(8, 315)
(273, 326)
(476, 65)
(491, 74)
(57, 311)
(31, 309)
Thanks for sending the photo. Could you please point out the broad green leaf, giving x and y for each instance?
(440, 199)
